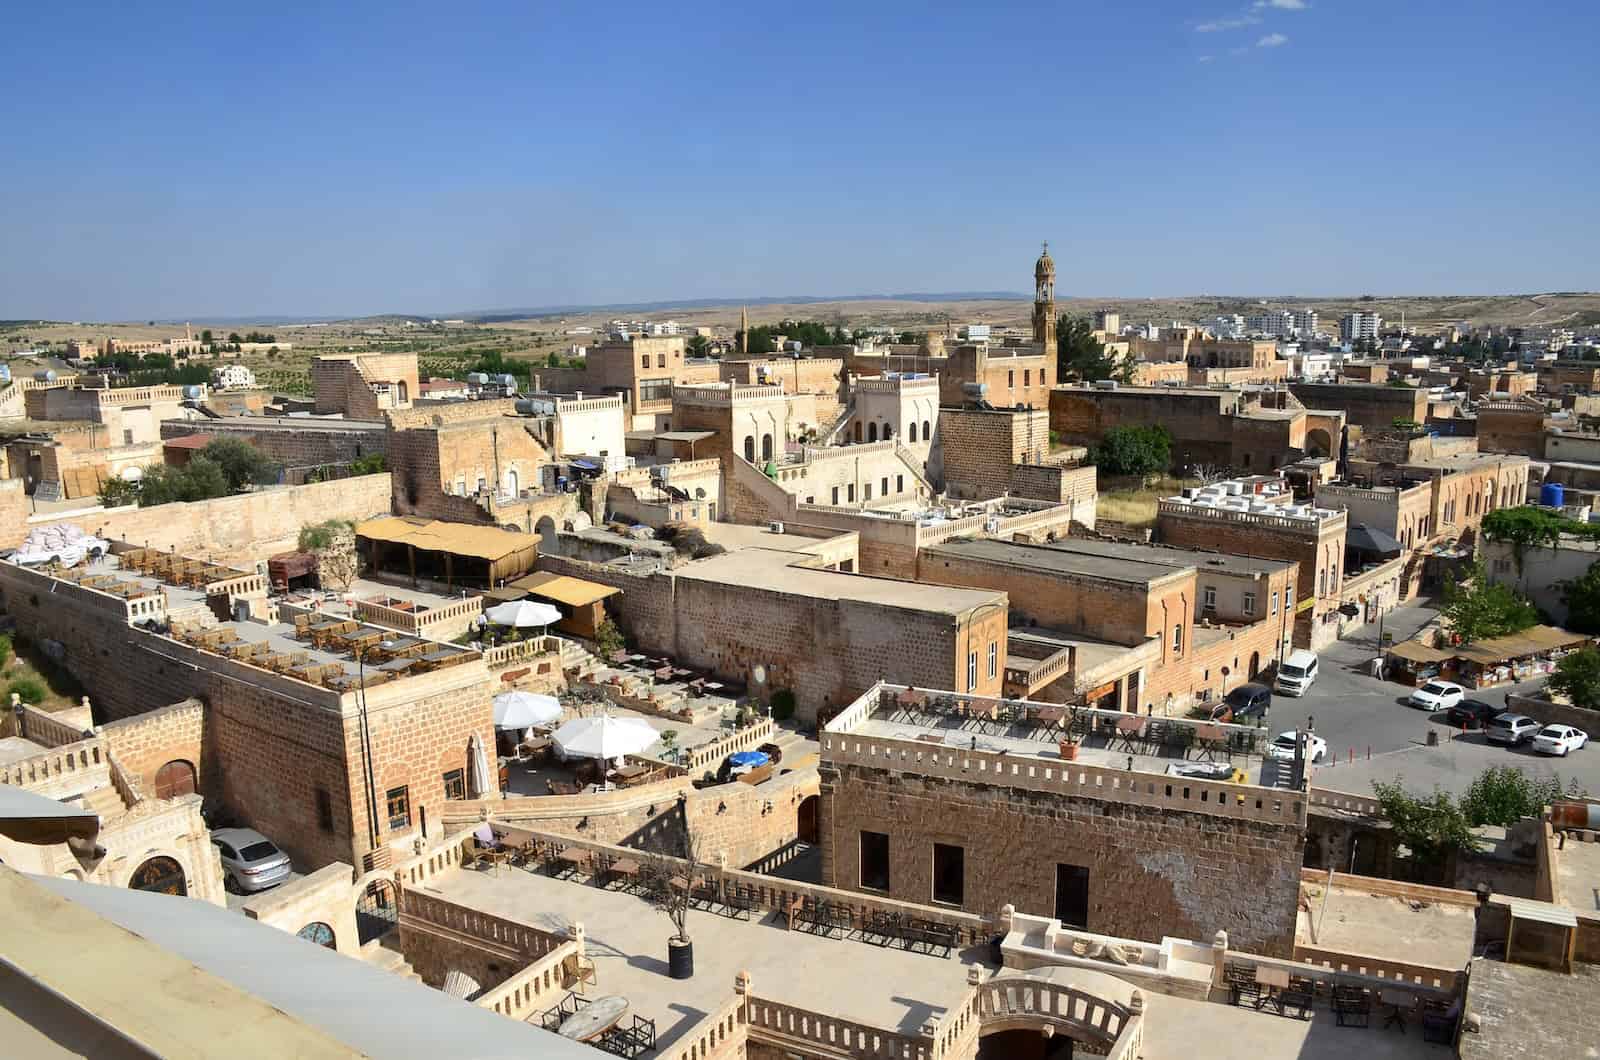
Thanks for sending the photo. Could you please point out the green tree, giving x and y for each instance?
(1142, 450)
(371, 464)
(1477, 609)
(242, 463)
(1433, 827)
(233, 337)
(698, 346)
(205, 336)
(1083, 358)
(608, 638)
(28, 689)
(1504, 795)
(1577, 677)
(1582, 597)
(116, 492)
(910, 338)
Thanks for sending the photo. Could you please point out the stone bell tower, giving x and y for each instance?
(1044, 302)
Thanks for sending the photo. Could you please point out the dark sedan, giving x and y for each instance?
(1471, 714)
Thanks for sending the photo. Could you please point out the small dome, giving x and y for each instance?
(1045, 266)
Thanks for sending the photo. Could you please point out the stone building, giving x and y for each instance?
(981, 453)
(301, 442)
(1514, 426)
(332, 775)
(1366, 405)
(896, 405)
(122, 415)
(364, 386)
(822, 378)
(1258, 516)
(1099, 847)
(641, 371)
(1012, 376)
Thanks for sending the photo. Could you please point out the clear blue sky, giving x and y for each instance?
(177, 161)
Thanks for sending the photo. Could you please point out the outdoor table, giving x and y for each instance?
(594, 1019)
(1128, 733)
(1397, 1007)
(1210, 739)
(626, 868)
(1050, 718)
(396, 666)
(712, 686)
(1273, 982)
(434, 658)
(931, 737)
(629, 774)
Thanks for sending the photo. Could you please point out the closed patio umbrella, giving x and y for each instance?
(522, 614)
(523, 710)
(604, 736)
(478, 763)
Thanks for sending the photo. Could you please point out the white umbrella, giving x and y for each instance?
(479, 767)
(523, 710)
(604, 736)
(523, 613)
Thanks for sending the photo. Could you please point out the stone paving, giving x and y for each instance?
(1533, 1013)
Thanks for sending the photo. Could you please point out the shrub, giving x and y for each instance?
(5, 651)
(29, 689)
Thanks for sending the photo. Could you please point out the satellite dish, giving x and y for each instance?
(132, 474)
(759, 674)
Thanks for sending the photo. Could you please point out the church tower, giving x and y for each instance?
(1044, 302)
(744, 333)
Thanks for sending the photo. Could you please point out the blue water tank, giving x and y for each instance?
(1552, 495)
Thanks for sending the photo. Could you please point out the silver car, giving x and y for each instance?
(250, 861)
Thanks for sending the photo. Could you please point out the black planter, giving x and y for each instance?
(680, 958)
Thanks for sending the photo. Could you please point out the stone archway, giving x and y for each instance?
(1318, 442)
(160, 875)
(1086, 1006)
(174, 779)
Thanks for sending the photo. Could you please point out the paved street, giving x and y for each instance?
(1356, 713)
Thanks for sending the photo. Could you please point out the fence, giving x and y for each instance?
(1392, 971)
(710, 754)
(471, 925)
(532, 808)
(64, 770)
(536, 988)
(503, 655)
(786, 1026)
(1325, 799)
(722, 1033)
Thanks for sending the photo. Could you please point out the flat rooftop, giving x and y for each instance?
(1178, 558)
(1177, 1028)
(627, 939)
(290, 423)
(1356, 920)
(1578, 877)
(763, 568)
(1043, 558)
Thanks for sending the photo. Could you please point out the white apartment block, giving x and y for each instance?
(1227, 327)
(233, 377)
(1275, 322)
(1305, 321)
(1356, 326)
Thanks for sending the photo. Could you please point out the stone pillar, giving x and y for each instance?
(1219, 954)
(578, 936)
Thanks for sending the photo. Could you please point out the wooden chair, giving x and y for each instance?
(577, 971)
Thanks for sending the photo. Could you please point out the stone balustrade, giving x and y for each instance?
(502, 656)
(499, 932)
(708, 755)
(798, 1029)
(537, 987)
(1327, 799)
(1387, 969)
(80, 766)
(1307, 524)
(719, 1034)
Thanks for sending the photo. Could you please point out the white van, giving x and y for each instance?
(1296, 673)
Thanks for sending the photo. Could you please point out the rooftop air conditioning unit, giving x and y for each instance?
(775, 527)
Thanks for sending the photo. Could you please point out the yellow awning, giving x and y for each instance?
(564, 589)
(458, 539)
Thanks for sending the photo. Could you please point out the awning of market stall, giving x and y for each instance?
(454, 553)
(1534, 641)
(1417, 652)
(564, 589)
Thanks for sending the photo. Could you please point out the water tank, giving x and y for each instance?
(477, 378)
(193, 393)
(508, 381)
(46, 376)
(1584, 815)
(524, 407)
(975, 391)
(1552, 494)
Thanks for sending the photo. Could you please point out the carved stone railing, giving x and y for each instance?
(537, 987)
(719, 1034)
(471, 925)
(709, 754)
(52, 771)
(802, 1030)
(1035, 1001)
(503, 655)
(1326, 799)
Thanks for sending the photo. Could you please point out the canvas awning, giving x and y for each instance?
(459, 539)
(1416, 651)
(1534, 641)
(564, 589)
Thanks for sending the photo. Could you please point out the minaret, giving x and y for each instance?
(744, 332)
(1044, 302)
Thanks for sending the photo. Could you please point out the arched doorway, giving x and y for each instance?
(160, 875)
(809, 828)
(1318, 443)
(377, 911)
(1024, 1045)
(766, 447)
(1255, 663)
(872, 432)
(319, 933)
(174, 779)
(512, 482)
(911, 432)
(750, 449)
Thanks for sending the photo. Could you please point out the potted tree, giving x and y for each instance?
(669, 887)
(1068, 748)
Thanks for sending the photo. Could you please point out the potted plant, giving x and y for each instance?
(669, 744)
(1068, 749)
(669, 887)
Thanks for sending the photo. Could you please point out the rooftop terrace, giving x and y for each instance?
(760, 568)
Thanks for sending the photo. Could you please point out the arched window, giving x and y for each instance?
(927, 432)
(872, 432)
(766, 447)
(160, 875)
(511, 482)
(911, 432)
(174, 779)
(405, 393)
(319, 933)
(888, 431)
(750, 449)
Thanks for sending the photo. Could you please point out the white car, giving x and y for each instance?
(1282, 746)
(1559, 740)
(1437, 695)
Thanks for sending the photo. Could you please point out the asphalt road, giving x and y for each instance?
(1374, 736)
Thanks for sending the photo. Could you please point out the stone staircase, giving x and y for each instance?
(385, 959)
(578, 660)
(106, 801)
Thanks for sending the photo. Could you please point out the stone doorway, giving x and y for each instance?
(160, 876)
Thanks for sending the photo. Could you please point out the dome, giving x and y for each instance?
(1045, 266)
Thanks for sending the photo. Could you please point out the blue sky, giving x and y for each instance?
(182, 161)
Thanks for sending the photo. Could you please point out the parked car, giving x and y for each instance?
(1437, 695)
(1513, 730)
(1223, 771)
(1471, 714)
(1244, 704)
(250, 861)
(1559, 740)
(1282, 747)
